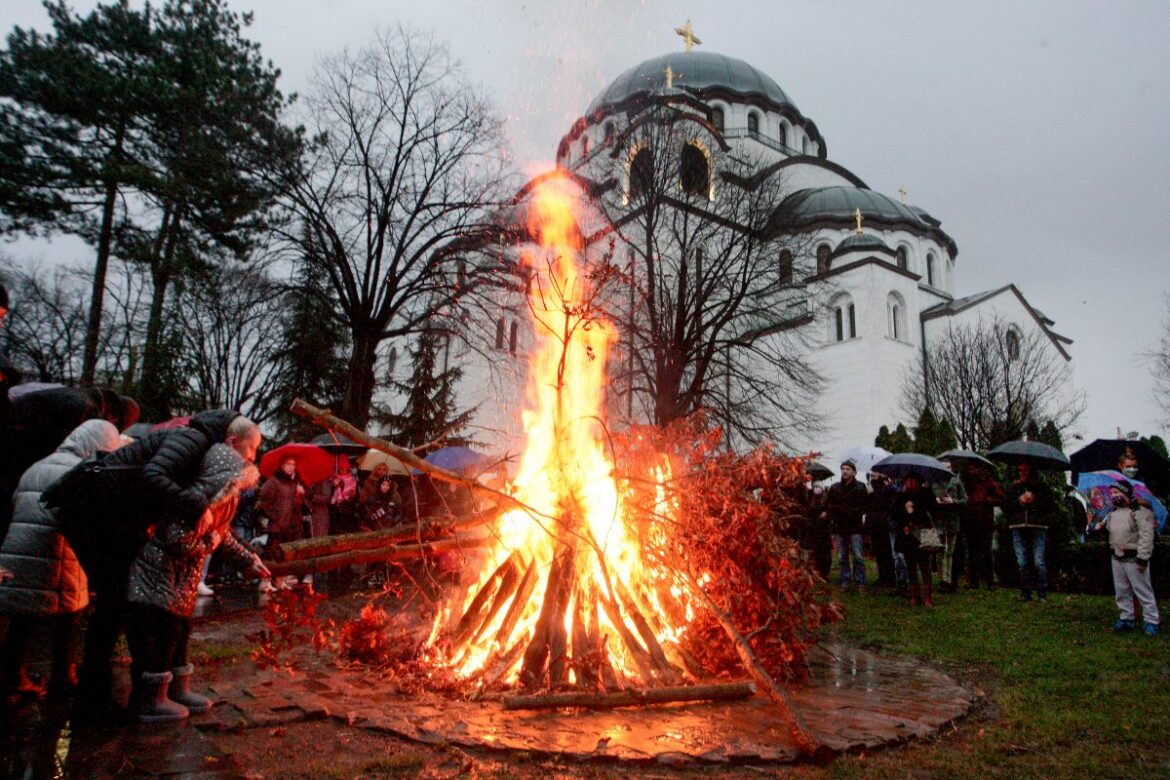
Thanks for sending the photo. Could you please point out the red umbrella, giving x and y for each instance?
(313, 463)
(174, 422)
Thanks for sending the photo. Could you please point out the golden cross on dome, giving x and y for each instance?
(688, 35)
(669, 77)
(902, 194)
(857, 216)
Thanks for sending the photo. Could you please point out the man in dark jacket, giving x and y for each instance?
(877, 527)
(138, 481)
(1029, 508)
(844, 508)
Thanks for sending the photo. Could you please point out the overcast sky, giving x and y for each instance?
(1036, 131)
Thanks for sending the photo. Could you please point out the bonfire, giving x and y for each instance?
(606, 584)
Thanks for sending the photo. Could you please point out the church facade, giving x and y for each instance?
(873, 279)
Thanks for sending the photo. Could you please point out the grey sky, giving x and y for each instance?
(1037, 132)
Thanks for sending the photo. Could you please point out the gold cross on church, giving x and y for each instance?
(857, 216)
(688, 35)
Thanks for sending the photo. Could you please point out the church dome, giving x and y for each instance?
(863, 242)
(842, 202)
(697, 72)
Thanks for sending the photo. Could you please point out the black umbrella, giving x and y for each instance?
(1103, 455)
(966, 456)
(1036, 454)
(912, 464)
(818, 470)
(336, 444)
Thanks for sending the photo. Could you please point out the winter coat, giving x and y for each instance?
(983, 496)
(169, 461)
(320, 497)
(906, 524)
(48, 578)
(282, 501)
(379, 511)
(166, 573)
(1034, 515)
(1131, 532)
(846, 504)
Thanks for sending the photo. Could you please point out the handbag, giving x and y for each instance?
(929, 538)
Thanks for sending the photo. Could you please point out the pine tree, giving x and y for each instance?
(430, 413)
(932, 435)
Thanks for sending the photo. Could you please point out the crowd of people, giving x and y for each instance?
(946, 529)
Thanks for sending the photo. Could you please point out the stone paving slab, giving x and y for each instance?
(854, 699)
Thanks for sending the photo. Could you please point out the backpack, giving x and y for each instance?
(80, 485)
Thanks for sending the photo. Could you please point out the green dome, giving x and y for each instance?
(866, 242)
(843, 202)
(695, 72)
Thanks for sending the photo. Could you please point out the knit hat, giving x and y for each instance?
(849, 462)
(1124, 486)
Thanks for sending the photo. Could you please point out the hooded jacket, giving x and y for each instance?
(1131, 532)
(170, 460)
(166, 573)
(48, 578)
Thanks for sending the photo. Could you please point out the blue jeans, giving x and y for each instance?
(901, 571)
(1029, 544)
(846, 544)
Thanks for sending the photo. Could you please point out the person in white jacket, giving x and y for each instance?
(47, 584)
(1131, 540)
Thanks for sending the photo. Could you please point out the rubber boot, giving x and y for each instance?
(181, 691)
(915, 597)
(928, 594)
(154, 706)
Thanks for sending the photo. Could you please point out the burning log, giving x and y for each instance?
(380, 555)
(633, 697)
(472, 617)
(321, 546)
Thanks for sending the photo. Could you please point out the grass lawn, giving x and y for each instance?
(1064, 697)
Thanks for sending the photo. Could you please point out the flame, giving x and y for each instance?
(565, 474)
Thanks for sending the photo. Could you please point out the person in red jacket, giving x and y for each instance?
(977, 524)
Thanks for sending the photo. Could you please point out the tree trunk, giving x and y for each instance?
(93, 329)
(359, 381)
(153, 393)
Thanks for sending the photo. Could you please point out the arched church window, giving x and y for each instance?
(844, 319)
(391, 363)
(1012, 344)
(786, 269)
(896, 317)
(609, 132)
(903, 258)
(753, 123)
(784, 133)
(693, 167)
(852, 322)
(641, 173)
(930, 269)
(500, 333)
(460, 274)
(584, 145)
(512, 337)
(717, 118)
(823, 252)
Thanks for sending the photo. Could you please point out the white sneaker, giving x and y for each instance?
(204, 589)
(266, 586)
(307, 579)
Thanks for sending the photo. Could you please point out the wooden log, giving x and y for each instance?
(507, 589)
(643, 628)
(321, 546)
(585, 662)
(469, 621)
(536, 655)
(516, 610)
(805, 741)
(326, 419)
(393, 553)
(631, 697)
(558, 641)
(637, 652)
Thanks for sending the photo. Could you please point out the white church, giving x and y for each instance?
(875, 279)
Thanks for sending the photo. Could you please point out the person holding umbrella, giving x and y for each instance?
(1029, 508)
(977, 524)
(1131, 539)
(282, 501)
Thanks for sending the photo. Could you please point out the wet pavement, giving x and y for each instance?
(855, 699)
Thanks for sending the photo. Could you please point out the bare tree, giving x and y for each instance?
(408, 159)
(989, 381)
(231, 352)
(46, 329)
(715, 302)
(1159, 360)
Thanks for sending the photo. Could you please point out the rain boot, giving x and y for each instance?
(928, 594)
(154, 706)
(915, 597)
(181, 691)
